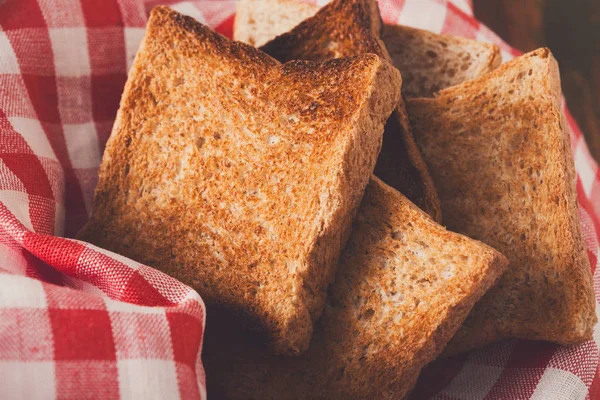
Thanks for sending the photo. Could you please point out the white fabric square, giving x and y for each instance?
(423, 15)
(585, 169)
(147, 379)
(70, 48)
(134, 265)
(464, 5)
(27, 380)
(559, 385)
(12, 261)
(69, 13)
(34, 135)
(473, 381)
(120, 306)
(18, 204)
(8, 58)
(596, 333)
(133, 38)
(188, 8)
(82, 145)
(21, 292)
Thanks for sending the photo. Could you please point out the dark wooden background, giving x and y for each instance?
(571, 29)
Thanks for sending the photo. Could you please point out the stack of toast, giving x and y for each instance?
(300, 188)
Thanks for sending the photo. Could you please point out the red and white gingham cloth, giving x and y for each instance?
(77, 321)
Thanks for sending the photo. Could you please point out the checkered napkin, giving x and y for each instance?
(77, 321)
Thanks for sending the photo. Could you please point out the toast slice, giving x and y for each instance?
(346, 28)
(403, 287)
(238, 175)
(499, 151)
(428, 62)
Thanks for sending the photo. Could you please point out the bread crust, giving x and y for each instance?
(238, 175)
(404, 286)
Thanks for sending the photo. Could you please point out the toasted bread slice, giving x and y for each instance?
(499, 151)
(403, 287)
(430, 62)
(427, 61)
(346, 28)
(238, 175)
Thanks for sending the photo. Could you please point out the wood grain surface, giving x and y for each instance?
(571, 29)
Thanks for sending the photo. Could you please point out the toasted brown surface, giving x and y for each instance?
(499, 151)
(403, 287)
(430, 62)
(238, 175)
(345, 28)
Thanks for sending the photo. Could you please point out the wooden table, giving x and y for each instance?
(571, 29)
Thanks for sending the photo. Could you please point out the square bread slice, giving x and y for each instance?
(428, 62)
(404, 286)
(238, 175)
(345, 28)
(499, 150)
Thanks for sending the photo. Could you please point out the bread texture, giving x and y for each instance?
(238, 175)
(428, 62)
(404, 285)
(499, 151)
(346, 28)
(259, 21)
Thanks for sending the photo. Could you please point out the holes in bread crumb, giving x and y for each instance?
(520, 75)
(368, 314)
(398, 235)
(451, 72)
(523, 237)
(217, 136)
(530, 72)
(200, 142)
(272, 139)
(431, 54)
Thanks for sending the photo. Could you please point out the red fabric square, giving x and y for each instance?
(74, 99)
(82, 335)
(25, 335)
(107, 50)
(141, 336)
(225, 28)
(29, 170)
(20, 14)
(186, 334)
(106, 94)
(101, 13)
(87, 379)
(42, 214)
(139, 291)
(33, 50)
(42, 92)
